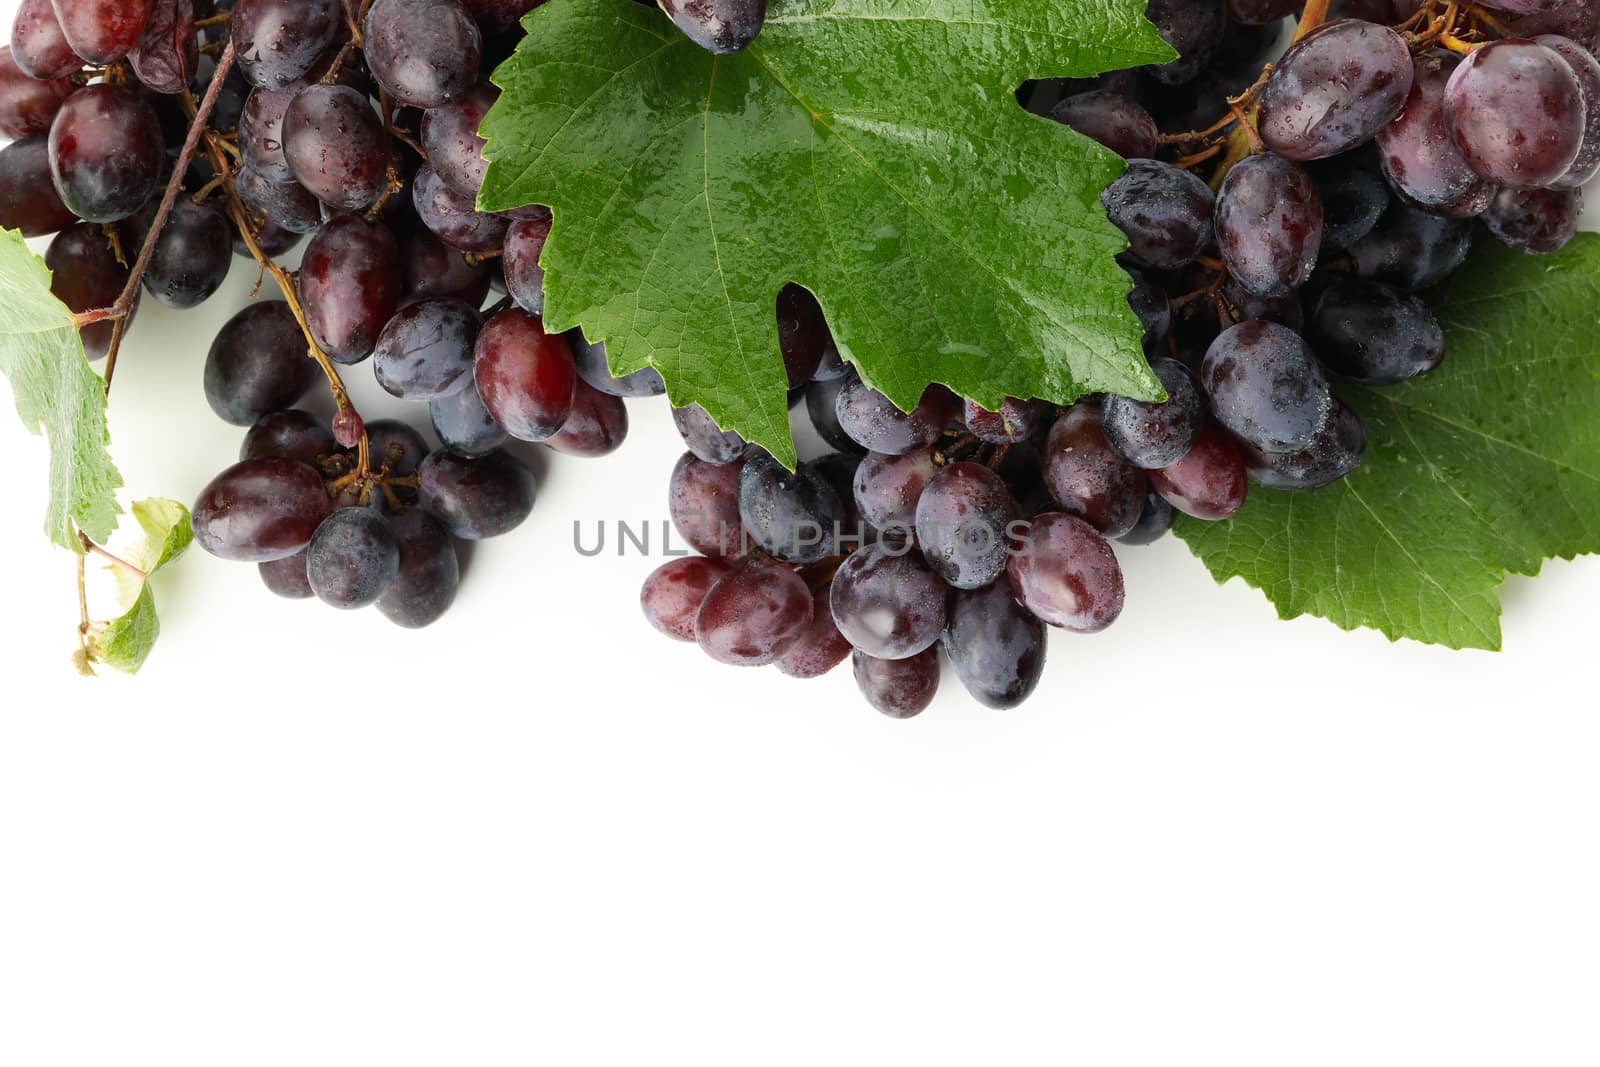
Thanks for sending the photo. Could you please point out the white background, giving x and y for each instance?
(538, 832)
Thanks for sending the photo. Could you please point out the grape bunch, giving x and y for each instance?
(354, 125)
(1281, 218)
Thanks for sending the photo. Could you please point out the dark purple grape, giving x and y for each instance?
(1151, 436)
(1266, 386)
(396, 445)
(257, 364)
(1417, 153)
(1114, 119)
(1336, 452)
(286, 577)
(1154, 521)
(1412, 248)
(754, 616)
(426, 53)
(279, 41)
(288, 205)
(1515, 110)
(873, 422)
(353, 558)
(1535, 221)
(350, 286)
(168, 51)
(899, 688)
(499, 16)
(450, 137)
(1165, 213)
(1014, 422)
(430, 572)
(1374, 333)
(260, 510)
(103, 31)
(525, 376)
(191, 257)
(1262, 12)
(886, 604)
(832, 368)
(886, 488)
(718, 26)
(1194, 28)
(426, 350)
(1353, 200)
(261, 131)
(1210, 481)
(1087, 477)
(1269, 225)
(592, 367)
(822, 406)
(1587, 69)
(802, 333)
(704, 438)
(703, 500)
(336, 146)
(464, 424)
(524, 244)
(821, 648)
(38, 46)
(105, 153)
(85, 276)
(673, 593)
(792, 515)
(995, 644)
(1066, 574)
(597, 425)
(453, 218)
(476, 497)
(289, 434)
(963, 524)
(28, 198)
(434, 270)
(1334, 89)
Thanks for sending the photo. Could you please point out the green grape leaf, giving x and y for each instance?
(126, 641)
(1482, 469)
(57, 394)
(870, 150)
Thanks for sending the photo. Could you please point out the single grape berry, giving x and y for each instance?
(1154, 435)
(1165, 213)
(168, 52)
(873, 421)
(336, 146)
(289, 434)
(1154, 521)
(899, 688)
(996, 645)
(1416, 151)
(1066, 574)
(1266, 386)
(1535, 221)
(350, 286)
(103, 31)
(525, 376)
(1087, 477)
(426, 350)
(192, 255)
(475, 497)
(1269, 225)
(596, 426)
(1375, 333)
(105, 153)
(426, 53)
(1412, 248)
(464, 424)
(754, 616)
(1114, 119)
(702, 436)
(1333, 454)
(85, 275)
(794, 516)
(425, 585)
(590, 356)
(886, 488)
(1334, 89)
(260, 510)
(1515, 110)
(963, 525)
(888, 604)
(673, 593)
(28, 198)
(1194, 28)
(703, 501)
(257, 364)
(821, 648)
(38, 45)
(1210, 482)
(353, 558)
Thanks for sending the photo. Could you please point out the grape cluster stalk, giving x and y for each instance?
(1282, 218)
(1283, 214)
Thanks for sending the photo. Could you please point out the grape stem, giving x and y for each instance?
(116, 561)
(130, 292)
